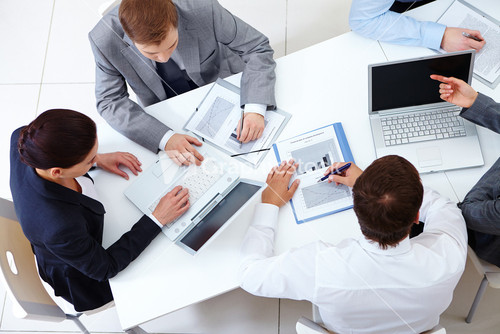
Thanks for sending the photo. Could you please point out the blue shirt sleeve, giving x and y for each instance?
(372, 19)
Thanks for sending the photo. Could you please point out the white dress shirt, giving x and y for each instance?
(357, 286)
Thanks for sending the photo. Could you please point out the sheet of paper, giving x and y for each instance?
(487, 60)
(315, 151)
(217, 119)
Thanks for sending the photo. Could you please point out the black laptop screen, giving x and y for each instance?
(408, 83)
(219, 215)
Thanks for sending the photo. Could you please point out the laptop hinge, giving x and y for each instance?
(413, 110)
(207, 208)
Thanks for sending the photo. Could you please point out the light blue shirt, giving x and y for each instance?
(372, 19)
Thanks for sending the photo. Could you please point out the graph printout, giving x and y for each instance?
(315, 151)
(217, 117)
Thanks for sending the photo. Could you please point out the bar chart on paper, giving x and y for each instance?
(315, 151)
(316, 156)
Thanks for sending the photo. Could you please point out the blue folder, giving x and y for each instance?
(346, 152)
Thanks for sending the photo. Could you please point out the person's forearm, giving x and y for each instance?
(373, 19)
(485, 112)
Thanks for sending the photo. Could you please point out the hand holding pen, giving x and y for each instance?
(457, 39)
(466, 34)
(342, 173)
(250, 127)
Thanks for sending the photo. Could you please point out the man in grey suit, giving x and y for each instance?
(481, 206)
(163, 48)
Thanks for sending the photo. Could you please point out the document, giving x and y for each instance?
(216, 120)
(487, 62)
(315, 151)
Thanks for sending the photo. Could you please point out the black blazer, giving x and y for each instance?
(65, 231)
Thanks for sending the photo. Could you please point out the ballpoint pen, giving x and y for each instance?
(241, 125)
(337, 171)
(256, 151)
(471, 36)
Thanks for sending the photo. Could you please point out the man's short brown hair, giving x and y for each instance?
(147, 21)
(387, 197)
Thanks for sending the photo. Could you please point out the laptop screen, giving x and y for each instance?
(219, 215)
(407, 83)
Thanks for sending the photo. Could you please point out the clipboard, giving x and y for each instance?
(311, 145)
(460, 11)
(217, 116)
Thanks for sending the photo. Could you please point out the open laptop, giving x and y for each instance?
(409, 119)
(216, 194)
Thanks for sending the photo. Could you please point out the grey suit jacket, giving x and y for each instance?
(481, 206)
(212, 43)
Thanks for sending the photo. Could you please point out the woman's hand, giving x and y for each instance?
(111, 161)
(172, 205)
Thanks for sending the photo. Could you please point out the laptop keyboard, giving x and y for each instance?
(438, 124)
(198, 179)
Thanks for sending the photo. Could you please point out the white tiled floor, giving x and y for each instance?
(46, 62)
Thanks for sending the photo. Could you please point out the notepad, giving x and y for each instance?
(487, 60)
(217, 117)
(315, 151)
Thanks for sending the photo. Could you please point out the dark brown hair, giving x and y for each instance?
(57, 138)
(387, 198)
(147, 21)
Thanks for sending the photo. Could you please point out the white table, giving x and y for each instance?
(322, 84)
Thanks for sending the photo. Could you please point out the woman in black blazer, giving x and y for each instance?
(59, 212)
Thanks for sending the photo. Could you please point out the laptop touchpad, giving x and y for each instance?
(429, 156)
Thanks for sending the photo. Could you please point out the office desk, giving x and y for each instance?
(319, 85)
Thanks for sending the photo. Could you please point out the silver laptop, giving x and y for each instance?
(216, 194)
(409, 119)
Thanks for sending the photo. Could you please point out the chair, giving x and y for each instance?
(20, 276)
(307, 326)
(491, 276)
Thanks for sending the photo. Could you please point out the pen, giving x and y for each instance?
(256, 151)
(471, 36)
(241, 125)
(337, 171)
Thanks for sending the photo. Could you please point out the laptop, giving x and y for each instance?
(409, 119)
(216, 195)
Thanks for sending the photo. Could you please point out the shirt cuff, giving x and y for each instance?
(153, 218)
(433, 35)
(255, 108)
(165, 139)
(266, 215)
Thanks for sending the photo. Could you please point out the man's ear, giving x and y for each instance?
(416, 221)
(56, 172)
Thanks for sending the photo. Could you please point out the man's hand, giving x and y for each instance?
(453, 40)
(180, 149)
(277, 192)
(348, 177)
(111, 161)
(455, 91)
(172, 205)
(253, 127)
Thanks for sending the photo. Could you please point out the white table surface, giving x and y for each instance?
(319, 85)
